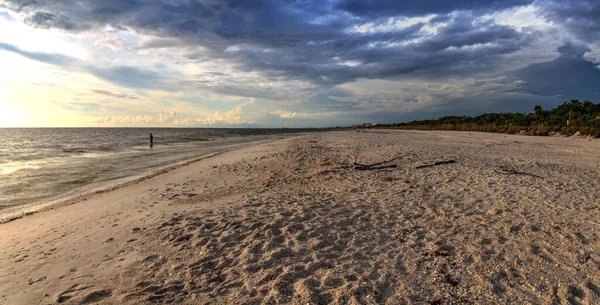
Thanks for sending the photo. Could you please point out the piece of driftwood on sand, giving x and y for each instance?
(378, 165)
(436, 163)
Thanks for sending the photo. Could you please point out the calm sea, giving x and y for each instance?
(39, 165)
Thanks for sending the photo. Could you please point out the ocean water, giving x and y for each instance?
(40, 165)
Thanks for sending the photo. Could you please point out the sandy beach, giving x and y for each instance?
(500, 219)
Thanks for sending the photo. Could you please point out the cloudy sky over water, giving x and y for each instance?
(260, 63)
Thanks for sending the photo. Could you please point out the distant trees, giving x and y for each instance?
(567, 119)
(537, 109)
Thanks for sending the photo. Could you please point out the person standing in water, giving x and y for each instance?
(151, 140)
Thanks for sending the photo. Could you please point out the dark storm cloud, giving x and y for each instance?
(581, 17)
(321, 42)
(569, 76)
(420, 7)
(461, 47)
(300, 40)
(46, 21)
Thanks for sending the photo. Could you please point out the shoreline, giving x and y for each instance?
(69, 200)
(293, 221)
(119, 183)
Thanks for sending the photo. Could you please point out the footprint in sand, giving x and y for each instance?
(576, 295)
(70, 293)
(96, 296)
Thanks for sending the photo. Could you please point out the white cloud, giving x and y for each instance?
(161, 118)
(290, 114)
(303, 115)
(233, 116)
(392, 24)
(520, 17)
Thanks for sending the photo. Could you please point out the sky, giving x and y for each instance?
(303, 63)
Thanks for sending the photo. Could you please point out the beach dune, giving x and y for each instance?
(311, 220)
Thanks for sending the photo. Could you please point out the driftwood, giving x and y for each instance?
(376, 166)
(510, 170)
(437, 163)
(372, 168)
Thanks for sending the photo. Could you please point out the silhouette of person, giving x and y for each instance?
(151, 140)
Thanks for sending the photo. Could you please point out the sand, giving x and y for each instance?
(295, 222)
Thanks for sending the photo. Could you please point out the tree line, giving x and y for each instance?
(570, 118)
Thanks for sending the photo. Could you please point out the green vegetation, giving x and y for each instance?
(566, 119)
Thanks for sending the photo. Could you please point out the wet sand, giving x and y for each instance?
(297, 222)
